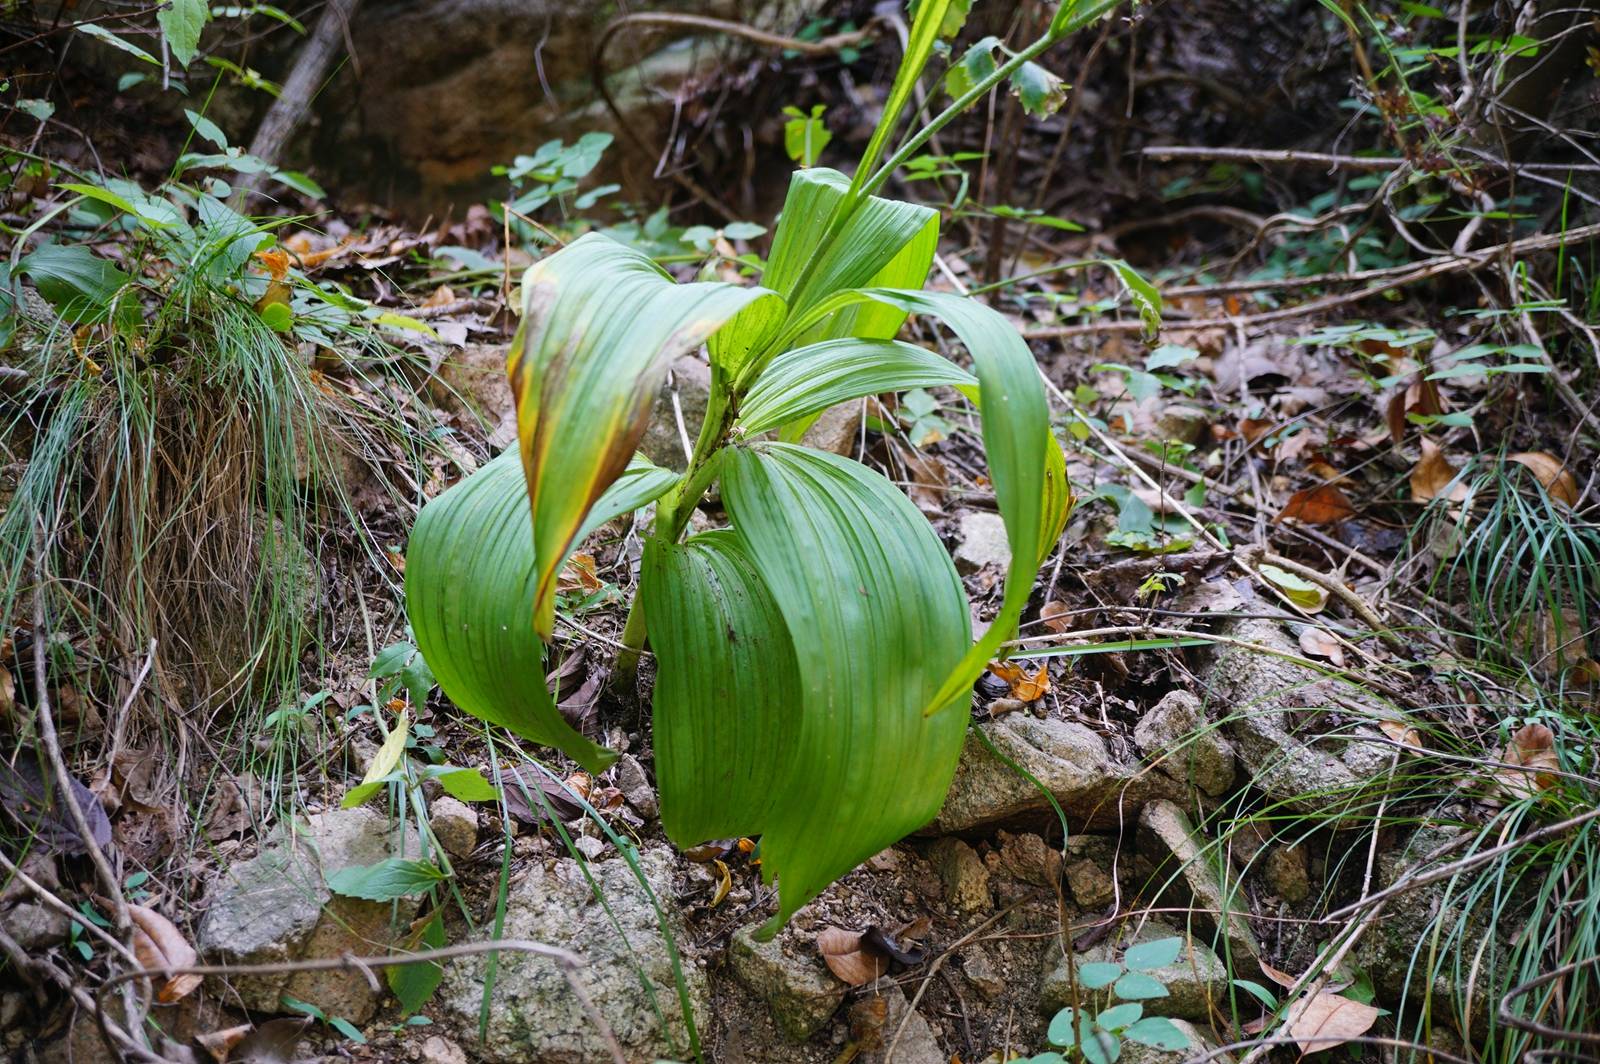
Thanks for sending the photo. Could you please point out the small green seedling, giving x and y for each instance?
(1098, 1034)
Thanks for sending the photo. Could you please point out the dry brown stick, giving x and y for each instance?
(289, 110)
(1349, 162)
(933, 970)
(597, 74)
(1419, 272)
(1167, 152)
(52, 742)
(1360, 605)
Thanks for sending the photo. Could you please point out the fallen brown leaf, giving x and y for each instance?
(1401, 732)
(849, 956)
(1024, 688)
(1551, 473)
(1433, 475)
(220, 1043)
(1533, 748)
(1321, 505)
(1054, 615)
(1325, 1019)
(157, 943)
(1320, 643)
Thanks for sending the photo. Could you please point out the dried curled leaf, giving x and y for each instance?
(1025, 687)
(158, 944)
(1324, 504)
(1325, 1019)
(1551, 473)
(1434, 476)
(1321, 643)
(1533, 750)
(850, 956)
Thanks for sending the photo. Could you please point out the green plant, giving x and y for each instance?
(179, 445)
(814, 659)
(1098, 1034)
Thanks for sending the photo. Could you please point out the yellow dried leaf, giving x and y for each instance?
(1551, 473)
(1434, 476)
(1303, 593)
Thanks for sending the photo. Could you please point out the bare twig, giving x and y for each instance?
(1419, 271)
(1333, 162)
(289, 110)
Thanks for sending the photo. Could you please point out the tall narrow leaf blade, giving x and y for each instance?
(601, 322)
(470, 578)
(1017, 440)
(812, 378)
(727, 695)
(877, 618)
(931, 20)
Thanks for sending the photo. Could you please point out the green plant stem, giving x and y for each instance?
(722, 406)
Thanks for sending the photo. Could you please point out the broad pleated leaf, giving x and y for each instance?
(601, 322)
(809, 379)
(642, 482)
(727, 694)
(877, 618)
(885, 243)
(1017, 441)
(469, 595)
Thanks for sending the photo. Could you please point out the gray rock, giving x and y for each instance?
(800, 992)
(277, 907)
(1094, 789)
(837, 429)
(34, 927)
(1286, 873)
(983, 542)
(1175, 733)
(1091, 885)
(982, 972)
(1182, 423)
(961, 870)
(690, 380)
(455, 825)
(635, 786)
(1395, 949)
(1279, 722)
(1180, 854)
(473, 380)
(1194, 981)
(440, 1050)
(918, 1044)
(534, 1017)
